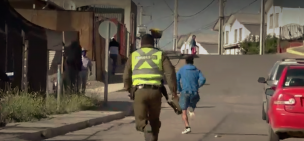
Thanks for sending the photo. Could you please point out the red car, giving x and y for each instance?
(286, 111)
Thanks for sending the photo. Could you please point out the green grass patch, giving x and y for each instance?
(23, 107)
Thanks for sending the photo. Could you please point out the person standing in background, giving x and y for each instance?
(74, 65)
(193, 45)
(114, 52)
(86, 67)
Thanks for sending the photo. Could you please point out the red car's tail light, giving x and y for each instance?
(285, 99)
(273, 87)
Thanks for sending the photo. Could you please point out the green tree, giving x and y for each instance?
(254, 47)
(271, 43)
(250, 47)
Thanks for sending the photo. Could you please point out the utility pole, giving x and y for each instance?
(175, 25)
(262, 27)
(140, 15)
(141, 28)
(221, 20)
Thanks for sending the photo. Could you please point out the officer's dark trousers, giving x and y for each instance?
(147, 106)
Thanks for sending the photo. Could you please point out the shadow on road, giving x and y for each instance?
(196, 107)
(232, 134)
(117, 78)
(116, 106)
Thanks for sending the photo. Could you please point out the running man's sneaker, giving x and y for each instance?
(191, 112)
(187, 130)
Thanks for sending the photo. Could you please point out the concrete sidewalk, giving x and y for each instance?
(296, 50)
(117, 108)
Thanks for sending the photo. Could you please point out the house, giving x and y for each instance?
(285, 19)
(238, 28)
(287, 15)
(207, 43)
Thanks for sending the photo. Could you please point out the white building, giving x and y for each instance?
(285, 18)
(238, 28)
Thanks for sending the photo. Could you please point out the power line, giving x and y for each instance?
(166, 44)
(200, 10)
(168, 6)
(157, 19)
(168, 26)
(211, 23)
(244, 7)
(201, 28)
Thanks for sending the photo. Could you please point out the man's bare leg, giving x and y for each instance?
(185, 119)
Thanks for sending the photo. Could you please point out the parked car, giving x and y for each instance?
(273, 78)
(286, 109)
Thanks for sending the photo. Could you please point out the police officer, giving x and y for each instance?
(144, 71)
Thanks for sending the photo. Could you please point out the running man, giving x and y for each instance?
(191, 80)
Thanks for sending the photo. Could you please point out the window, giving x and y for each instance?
(272, 71)
(294, 77)
(271, 21)
(279, 71)
(240, 35)
(235, 35)
(227, 37)
(277, 20)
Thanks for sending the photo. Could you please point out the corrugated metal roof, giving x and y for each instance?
(248, 18)
(206, 38)
(117, 16)
(253, 28)
(105, 6)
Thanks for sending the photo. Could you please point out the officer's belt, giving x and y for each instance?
(143, 86)
(148, 79)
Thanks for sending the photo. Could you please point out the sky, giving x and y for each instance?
(203, 22)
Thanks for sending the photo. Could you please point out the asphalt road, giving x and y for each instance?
(229, 110)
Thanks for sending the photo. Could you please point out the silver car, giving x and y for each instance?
(273, 78)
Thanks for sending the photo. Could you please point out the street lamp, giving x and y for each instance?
(157, 34)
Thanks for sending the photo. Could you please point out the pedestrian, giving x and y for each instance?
(193, 45)
(114, 52)
(74, 65)
(85, 69)
(142, 77)
(191, 80)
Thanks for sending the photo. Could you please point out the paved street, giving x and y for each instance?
(230, 106)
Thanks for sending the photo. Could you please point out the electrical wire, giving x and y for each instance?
(168, 26)
(207, 26)
(168, 6)
(167, 44)
(157, 19)
(245, 7)
(200, 10)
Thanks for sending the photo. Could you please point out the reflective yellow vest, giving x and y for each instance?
(147, 66)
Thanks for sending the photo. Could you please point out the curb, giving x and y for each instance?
(292, 51)
(57, 131)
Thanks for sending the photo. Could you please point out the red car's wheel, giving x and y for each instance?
(272, 136)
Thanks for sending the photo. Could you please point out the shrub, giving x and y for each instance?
(254, 47)
(271, 44)
(23, 107)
